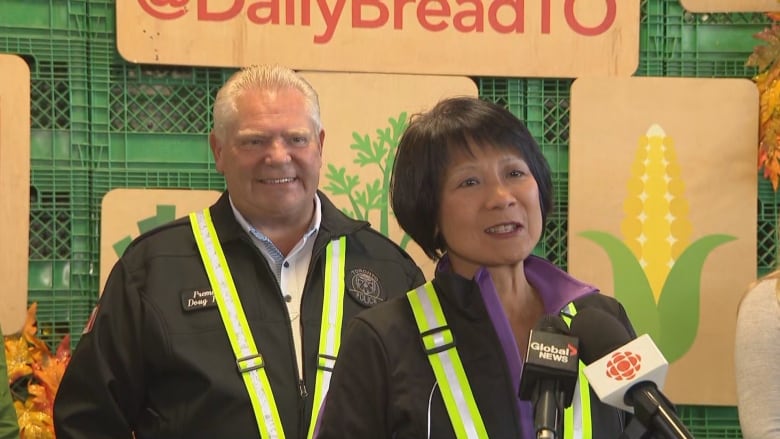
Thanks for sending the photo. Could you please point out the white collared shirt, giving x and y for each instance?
(290, 271)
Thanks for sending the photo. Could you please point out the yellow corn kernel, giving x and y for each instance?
(656, 226)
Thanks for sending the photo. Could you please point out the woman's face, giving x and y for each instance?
(490, 212)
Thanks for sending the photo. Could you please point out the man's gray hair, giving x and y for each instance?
(260, 77)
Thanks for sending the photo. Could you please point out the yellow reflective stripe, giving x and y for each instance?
(445, 362)
(568, 422)
(330, 329)
(577, 418)
(248, 359)
(586, 429)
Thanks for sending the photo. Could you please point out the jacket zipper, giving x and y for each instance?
(303, 392)
(302, 389)
(299, 374)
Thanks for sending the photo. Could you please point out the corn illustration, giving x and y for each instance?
(656, 268)
(656, 226)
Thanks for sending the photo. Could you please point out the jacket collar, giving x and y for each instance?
(556, 287)
(334, 222)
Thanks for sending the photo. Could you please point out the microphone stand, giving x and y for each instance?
(548, 396)
(656, 413)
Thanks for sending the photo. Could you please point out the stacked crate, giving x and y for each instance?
(149, 123)
(52, 38)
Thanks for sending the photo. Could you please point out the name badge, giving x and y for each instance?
(194, 300)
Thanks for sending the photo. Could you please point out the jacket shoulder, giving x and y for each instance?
(601, 301)
(378, 245)
(167, 237)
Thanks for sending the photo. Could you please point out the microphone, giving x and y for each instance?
(549, 374)
(626, 372)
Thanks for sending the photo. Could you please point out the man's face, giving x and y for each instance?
(271, 157)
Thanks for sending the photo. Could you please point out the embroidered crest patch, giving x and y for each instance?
(364, 287)
(194, 300)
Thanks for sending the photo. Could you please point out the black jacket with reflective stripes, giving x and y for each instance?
(162, 366)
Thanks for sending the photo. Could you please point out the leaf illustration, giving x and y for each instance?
(381, 153)
(369, 199)
(340, 183)
(378, 150)
(632, 288)
(363, 147)
(679, 304)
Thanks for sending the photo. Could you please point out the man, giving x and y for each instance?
(226, 324)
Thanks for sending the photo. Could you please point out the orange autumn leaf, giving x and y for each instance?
(30, 331)
(29, 358)
(33, 423)
(765, 57)
(50, 373)
(38, 397)
(17, 358)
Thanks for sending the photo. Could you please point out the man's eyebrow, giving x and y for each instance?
(294, 131)
(249, 133)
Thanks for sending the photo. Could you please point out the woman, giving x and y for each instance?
(472, 188)
(756, 353)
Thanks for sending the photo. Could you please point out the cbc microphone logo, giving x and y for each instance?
(624, 365)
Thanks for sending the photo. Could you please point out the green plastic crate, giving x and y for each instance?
(104, 180)
(50, 149)
(59, 103)
(711, 422)
(767, 232)
(554, 243)
(675, 42)
(59, 315)
(543, 104)
(52, 18)
(60, 233)
(147, 116)
(60, 264)
(150, 116)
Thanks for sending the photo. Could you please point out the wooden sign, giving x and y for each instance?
(543, 38)
(672, 230)
(14, 190)
(126, 213)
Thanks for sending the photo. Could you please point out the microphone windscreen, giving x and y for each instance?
(599, 332)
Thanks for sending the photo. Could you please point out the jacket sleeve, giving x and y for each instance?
(9, 424)
(102, 388)
(357, 402)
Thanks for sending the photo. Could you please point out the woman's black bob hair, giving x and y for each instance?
(425, 150)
